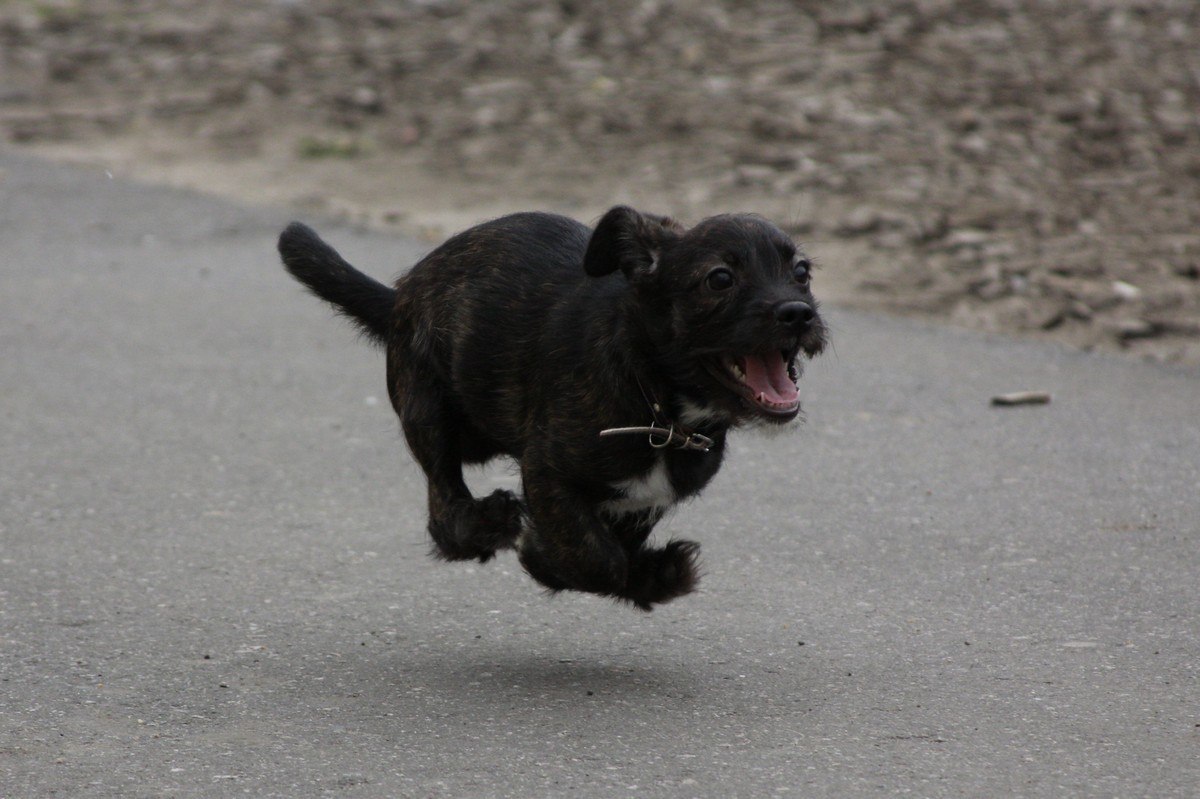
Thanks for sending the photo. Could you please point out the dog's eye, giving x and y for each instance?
(800, 271)
(719, 279)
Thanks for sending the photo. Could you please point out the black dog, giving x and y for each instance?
(534, 337)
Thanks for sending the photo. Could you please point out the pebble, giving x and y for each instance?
(1125, 291)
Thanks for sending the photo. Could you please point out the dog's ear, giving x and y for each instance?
(628, 240)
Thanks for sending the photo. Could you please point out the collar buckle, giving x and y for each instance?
(660, 436)
(663, 437)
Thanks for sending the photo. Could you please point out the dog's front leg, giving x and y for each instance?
(569, 545)
(656, 575)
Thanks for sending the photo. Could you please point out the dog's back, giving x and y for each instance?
(486, 280)
(486, 307)
(477, 308)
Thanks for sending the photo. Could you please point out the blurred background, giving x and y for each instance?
(1009, 165)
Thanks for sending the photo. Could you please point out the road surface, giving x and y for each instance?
(214, 581)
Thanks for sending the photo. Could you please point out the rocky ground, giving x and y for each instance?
(1012, 165)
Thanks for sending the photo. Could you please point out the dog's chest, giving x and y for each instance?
(651, 491)
(668, 481)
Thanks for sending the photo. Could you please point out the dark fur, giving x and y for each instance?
(527, 335)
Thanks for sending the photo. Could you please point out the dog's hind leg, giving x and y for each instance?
(462, 527)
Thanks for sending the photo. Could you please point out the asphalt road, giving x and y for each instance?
(214, 582)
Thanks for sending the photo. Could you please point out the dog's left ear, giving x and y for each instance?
(628, 240)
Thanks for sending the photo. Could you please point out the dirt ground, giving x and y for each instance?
(1010, 165)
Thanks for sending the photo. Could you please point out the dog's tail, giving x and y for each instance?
(364, 300)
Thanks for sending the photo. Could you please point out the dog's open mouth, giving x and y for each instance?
(767, 380)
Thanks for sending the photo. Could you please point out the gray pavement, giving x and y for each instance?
(214, 582)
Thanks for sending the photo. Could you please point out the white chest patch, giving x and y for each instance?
(651, 491)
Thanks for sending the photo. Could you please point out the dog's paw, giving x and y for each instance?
(476, 528)
(501, 515)
(657, 576)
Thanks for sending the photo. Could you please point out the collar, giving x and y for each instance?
(663, 432)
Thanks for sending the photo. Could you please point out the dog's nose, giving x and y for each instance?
(795, 314)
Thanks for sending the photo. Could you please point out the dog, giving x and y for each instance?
(609, 363)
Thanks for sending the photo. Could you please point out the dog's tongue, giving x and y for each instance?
(767, 375)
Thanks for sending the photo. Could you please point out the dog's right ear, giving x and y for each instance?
(628, 240)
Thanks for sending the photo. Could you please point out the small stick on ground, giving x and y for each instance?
(1022, 398)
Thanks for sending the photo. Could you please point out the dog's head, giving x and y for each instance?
(728, 305)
